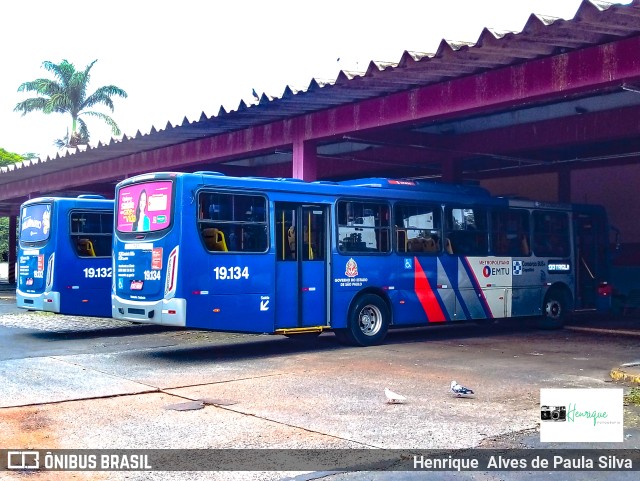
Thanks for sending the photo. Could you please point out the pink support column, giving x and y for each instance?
(305, 160)
(12, 256)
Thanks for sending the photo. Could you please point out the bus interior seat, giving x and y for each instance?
(214, 239)
(420, 244)
(447, 246)
(291, 239)
(524, 245)
(431, 245)
(85, 248)
(415, 244)
(307, 249)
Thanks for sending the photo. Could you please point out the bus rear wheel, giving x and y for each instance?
(554, 310)
(368, 322)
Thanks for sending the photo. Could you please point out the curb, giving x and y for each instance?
(628, 375)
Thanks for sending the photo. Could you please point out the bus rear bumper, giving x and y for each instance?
(166, 312)
(46, 301)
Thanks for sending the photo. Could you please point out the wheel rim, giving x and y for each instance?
(553, 309)
(370, 320)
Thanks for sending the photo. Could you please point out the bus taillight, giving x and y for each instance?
(605, 289)
(50, 267)
(172, 271)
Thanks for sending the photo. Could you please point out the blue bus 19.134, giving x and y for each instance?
(208, 251)
(64, 256)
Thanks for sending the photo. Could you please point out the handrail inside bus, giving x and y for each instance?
(584, 263)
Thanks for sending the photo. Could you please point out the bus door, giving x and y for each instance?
(590, 247)
(301, 265)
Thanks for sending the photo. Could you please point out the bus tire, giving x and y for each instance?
(368, 321)
(554, 310)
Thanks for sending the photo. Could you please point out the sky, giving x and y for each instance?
(179, 59)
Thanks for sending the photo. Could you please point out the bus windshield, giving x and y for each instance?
(35, 222)
(144, 207)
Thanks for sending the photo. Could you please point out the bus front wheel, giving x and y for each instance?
(368, 322)
(554, 310)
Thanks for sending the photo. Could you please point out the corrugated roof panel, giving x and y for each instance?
(595, 22)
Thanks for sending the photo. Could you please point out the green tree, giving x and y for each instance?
(7, 157)
(67, 94)
(4, 238)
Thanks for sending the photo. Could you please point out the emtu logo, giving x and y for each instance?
(486, 271)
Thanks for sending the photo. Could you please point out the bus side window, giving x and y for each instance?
(232, 222)
(363, 227)
(467, 230)
(509, 232)
(418, 228)
(91, 233)
(551, 234)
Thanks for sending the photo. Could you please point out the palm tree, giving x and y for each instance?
(67, 94)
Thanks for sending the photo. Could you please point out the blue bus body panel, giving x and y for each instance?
(54, 272)
(262, 292)
(239, 296)
(80, 294)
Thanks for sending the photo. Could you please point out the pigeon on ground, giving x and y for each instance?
(459, 390)
(394, 398)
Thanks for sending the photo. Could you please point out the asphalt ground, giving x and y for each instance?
(92, 383)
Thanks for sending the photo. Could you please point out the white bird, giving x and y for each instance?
(394, 398)
(459, 390)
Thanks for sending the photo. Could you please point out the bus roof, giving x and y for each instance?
(71, 202)
(373, 187)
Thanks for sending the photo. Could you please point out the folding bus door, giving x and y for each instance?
(301, 265)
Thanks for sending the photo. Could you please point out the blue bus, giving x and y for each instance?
(64, 255)
(209, 251)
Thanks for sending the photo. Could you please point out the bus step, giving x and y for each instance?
(299, 330)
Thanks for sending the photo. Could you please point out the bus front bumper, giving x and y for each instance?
(166, 312)
(46, 301)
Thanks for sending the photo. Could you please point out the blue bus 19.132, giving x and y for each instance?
(204, 250)
(64, 256)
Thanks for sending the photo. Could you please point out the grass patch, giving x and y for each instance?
(633, 397)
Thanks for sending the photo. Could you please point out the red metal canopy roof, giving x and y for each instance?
(595, 23)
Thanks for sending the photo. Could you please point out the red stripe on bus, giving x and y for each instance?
(426, 296)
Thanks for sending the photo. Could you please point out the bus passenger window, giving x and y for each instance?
(418, 228)
(467, 231)
(91, 233)
(229, 222)
(363, 227)
(510, 232)
(551, 234)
